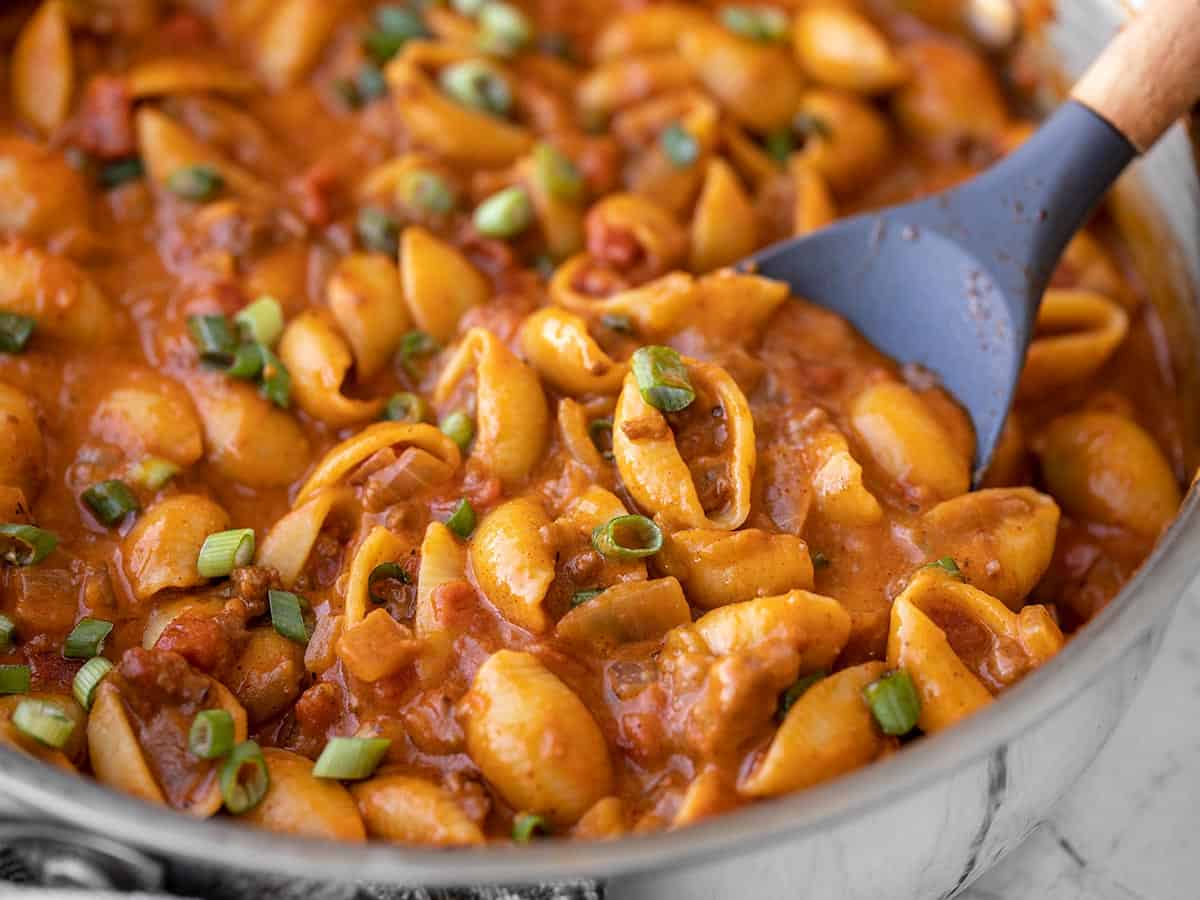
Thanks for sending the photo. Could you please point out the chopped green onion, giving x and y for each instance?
(406, 407)
(224, 551)
(247, 362)
(213, 338)
(276, 380)
(894, 702)
(545, 265)
(121, 171)
(820, 560)
(504, 214)
(679, 146)
(459, 428)
(581, 597)
(110, 501)
(468, 8)
(477, 84)
(557, 174)
(764, 24)
(503, 29)
(211, 735)
(15, 679)
(261, 321)
(662, 378)
(617, 322)
(627, 537)
(348, 93)
(388, 571)
(25, 545)
(152, 472)
(528, 826)
(371, 84)
(15, 332)
(244, 778)
(947, 565)
(412, 345)
(195, 183)
(462, 519)
(395, 26)
(427, 192)
(351, 758)
(287, 615)
(780, 144)
(87, 638)
(43, 721)
(808, 126)
(88, 678)
(377, 231)
(795, 692)
(7, 629)
(600, 431)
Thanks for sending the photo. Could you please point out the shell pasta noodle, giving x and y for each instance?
(391, 450)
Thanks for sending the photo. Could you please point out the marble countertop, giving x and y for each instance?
(1130, 829)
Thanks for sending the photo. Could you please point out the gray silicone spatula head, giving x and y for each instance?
(953, 283)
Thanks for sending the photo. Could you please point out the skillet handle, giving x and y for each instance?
(1147, 78)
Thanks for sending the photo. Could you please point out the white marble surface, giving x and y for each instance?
(1130, 829)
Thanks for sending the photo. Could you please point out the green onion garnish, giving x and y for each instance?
(528, 826)
(581, 597)
(121, 171)
(462, 519)
(413, 345)
(662, 378)
(15, 679)
(627, 537)
(348, 93)
(213, 338)
(247, 362)
(764, 24)
(503, 29)
(43, 721)
(88, 678)
(211, 734)
(195, 183)
(947, 565)
(810, 126)
(224, 551)
(244, 778)
(350, 758)
(504, 214)
(426, 192)
(377, 231)
(276, 380)
(261, 321)
(87, 638)
(557, 174)
(152, 472)
(795, 692)
(468, 8)
(25, 545)
(459, 428)
(679, 146)
(110, 501)
(395, 26)
(389, 571)
(15, 332)
(600, 431)
(820, 560)
(287, 615)
(477, 84)
(7, 629)
(617, 322)
(894, 702)
(371, 84)
(780, 144)
(406, 407)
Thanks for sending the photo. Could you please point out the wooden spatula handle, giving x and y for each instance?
(1150, 75)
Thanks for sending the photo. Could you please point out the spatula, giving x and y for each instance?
(953, 282)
